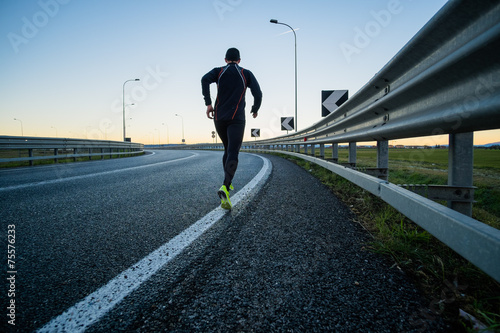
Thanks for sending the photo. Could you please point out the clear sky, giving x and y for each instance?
(64, 62)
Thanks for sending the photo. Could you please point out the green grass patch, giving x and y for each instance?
(483, 158)
(487, 158)
(447, 280)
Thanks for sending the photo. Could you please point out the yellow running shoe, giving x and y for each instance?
(231, 187)
(225, 202)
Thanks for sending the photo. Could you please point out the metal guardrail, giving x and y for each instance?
(446, 80)
(60, 148)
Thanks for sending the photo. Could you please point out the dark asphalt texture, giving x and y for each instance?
(90, 221)
(292, 260)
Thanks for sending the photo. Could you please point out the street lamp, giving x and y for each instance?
(124, 136)
(295, 35)
(22, 130)
(178, 115)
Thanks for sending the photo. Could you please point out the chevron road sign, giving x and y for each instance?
(331, 100)
(255, 132)
(287, 123)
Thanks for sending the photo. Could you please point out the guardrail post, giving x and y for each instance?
(313, 150)
(460, 167)
(322, 150)
(352, 154)
(335, 152)
(56, 151)
(383, 156)
(30, 155)
(305, 149)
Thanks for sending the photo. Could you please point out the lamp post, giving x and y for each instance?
(295, 35)
(124, 136)
(178, 115)
(22, 130)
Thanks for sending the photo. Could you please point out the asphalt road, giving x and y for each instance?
(288, 258)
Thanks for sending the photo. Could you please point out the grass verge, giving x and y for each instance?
(447, 280)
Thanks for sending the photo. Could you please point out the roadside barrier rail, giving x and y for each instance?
(445, 80)
(64, 148)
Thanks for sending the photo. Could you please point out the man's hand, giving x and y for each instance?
(254, 114)
(210, 112)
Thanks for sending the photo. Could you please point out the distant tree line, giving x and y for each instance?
(489, 147)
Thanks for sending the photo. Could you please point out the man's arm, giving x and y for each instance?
(253, 84)
(206, 80)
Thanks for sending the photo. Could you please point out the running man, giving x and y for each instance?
(229, 112)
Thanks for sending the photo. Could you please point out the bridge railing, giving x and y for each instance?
(446, 80)
(62, 148)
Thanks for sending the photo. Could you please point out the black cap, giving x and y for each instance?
(233, 54)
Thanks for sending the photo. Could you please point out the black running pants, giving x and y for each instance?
(231, 134)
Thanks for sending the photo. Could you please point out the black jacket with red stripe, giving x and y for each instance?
(232, 82)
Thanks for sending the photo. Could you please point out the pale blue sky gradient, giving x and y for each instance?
(64, 62)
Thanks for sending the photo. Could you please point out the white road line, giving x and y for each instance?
(88, 311)
(59, 180)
